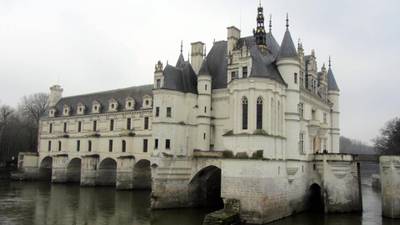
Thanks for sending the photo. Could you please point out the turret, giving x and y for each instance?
(197, 55)
(289, 67)
(204, 83)
(55, 95)
(333, 96)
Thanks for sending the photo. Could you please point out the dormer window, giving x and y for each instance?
(52, 113)
(80, 109)
(66, 110)
(129, 103)
(113, 105)
(147, 102)
(96, 107)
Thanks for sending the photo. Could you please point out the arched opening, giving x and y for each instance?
(245, 108)
(45, 168)
(205, 188)
(142, 175)
(316, 199)
(74, 171)
(107, 172)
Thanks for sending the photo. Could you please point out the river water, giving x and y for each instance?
(34, 203)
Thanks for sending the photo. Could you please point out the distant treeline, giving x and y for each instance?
(352, 146)
(19, 126)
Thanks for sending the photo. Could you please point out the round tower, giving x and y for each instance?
(204, 83)
(333, 97)
(289, 67)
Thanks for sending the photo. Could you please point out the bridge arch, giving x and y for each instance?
(142, 174)
(45, 168)
(205, 188)
(316, 198)
(74, 170)
(107, 172)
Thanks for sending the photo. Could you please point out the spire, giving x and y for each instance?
(332, 85)
(287, 21)
(270, 23)
(259, 32)
(181, 46)
(288, 49)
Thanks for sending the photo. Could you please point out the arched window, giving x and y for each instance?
(259, 113)
(123, 146)
(245, 107)
(89, 146)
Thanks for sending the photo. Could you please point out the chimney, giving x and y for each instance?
(197, 55)
(233, 37)
(55, 95)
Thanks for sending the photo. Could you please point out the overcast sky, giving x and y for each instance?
(95, 45)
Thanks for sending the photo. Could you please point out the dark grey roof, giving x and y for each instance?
(103, 98)
(272, 44)
(180, 61)
(217, 62)
(204, 68)
(182, 78)
(287, 50)
(332, 85)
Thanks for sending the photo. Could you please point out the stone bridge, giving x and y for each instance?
(266, 189)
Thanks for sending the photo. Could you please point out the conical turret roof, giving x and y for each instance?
(332, 85)
(288, 49)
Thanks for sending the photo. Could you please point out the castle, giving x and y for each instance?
(248, 120)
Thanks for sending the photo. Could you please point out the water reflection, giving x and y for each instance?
(45, 204)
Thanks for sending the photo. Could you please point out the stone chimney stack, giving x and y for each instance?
(197, 55)
(233, 37)
(55, 95)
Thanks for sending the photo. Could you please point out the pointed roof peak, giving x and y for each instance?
(330, 62)
(270, 23)
(181, 46)
(332, 85)
(287, 21)
(204, 68)
(288, 49)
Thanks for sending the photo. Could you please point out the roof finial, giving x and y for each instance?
(330, 62)
(270, 23)
(181, 46)
(287, 20)
(259, 3)
(205, 50)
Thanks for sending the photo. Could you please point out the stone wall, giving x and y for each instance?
(390, 181)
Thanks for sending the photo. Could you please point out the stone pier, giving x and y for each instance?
(125, 165)
(59, 170)
(390, 182)
(89, 170)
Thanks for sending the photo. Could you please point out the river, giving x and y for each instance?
(36, 203)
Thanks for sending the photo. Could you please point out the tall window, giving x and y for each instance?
(325, 118)
(128, 123)
(110, 145)
(244, 71)
(78, 145)
(168, 144)
(89, 146)
(157, 111)
(301, 142)
(259, 113)
(79, 126)
(155, 143)
(49, 146)
(50, 128)
(245, 107)
(233, 75)
(301, 110)
(146, 123)
(169, 112)
(94, 125)
(65, 127)
(295, 78)
(313, 114)
(111, 125)
(59, 146)
(145, 145)
(123, 146)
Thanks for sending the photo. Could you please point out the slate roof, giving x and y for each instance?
(287, 50)
(103, 98)
(204, 68)
(180, 78)
(263, 62)
(332, 85)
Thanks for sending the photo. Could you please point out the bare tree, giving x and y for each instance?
(389, 140)
(34, 106)
(5, 114)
